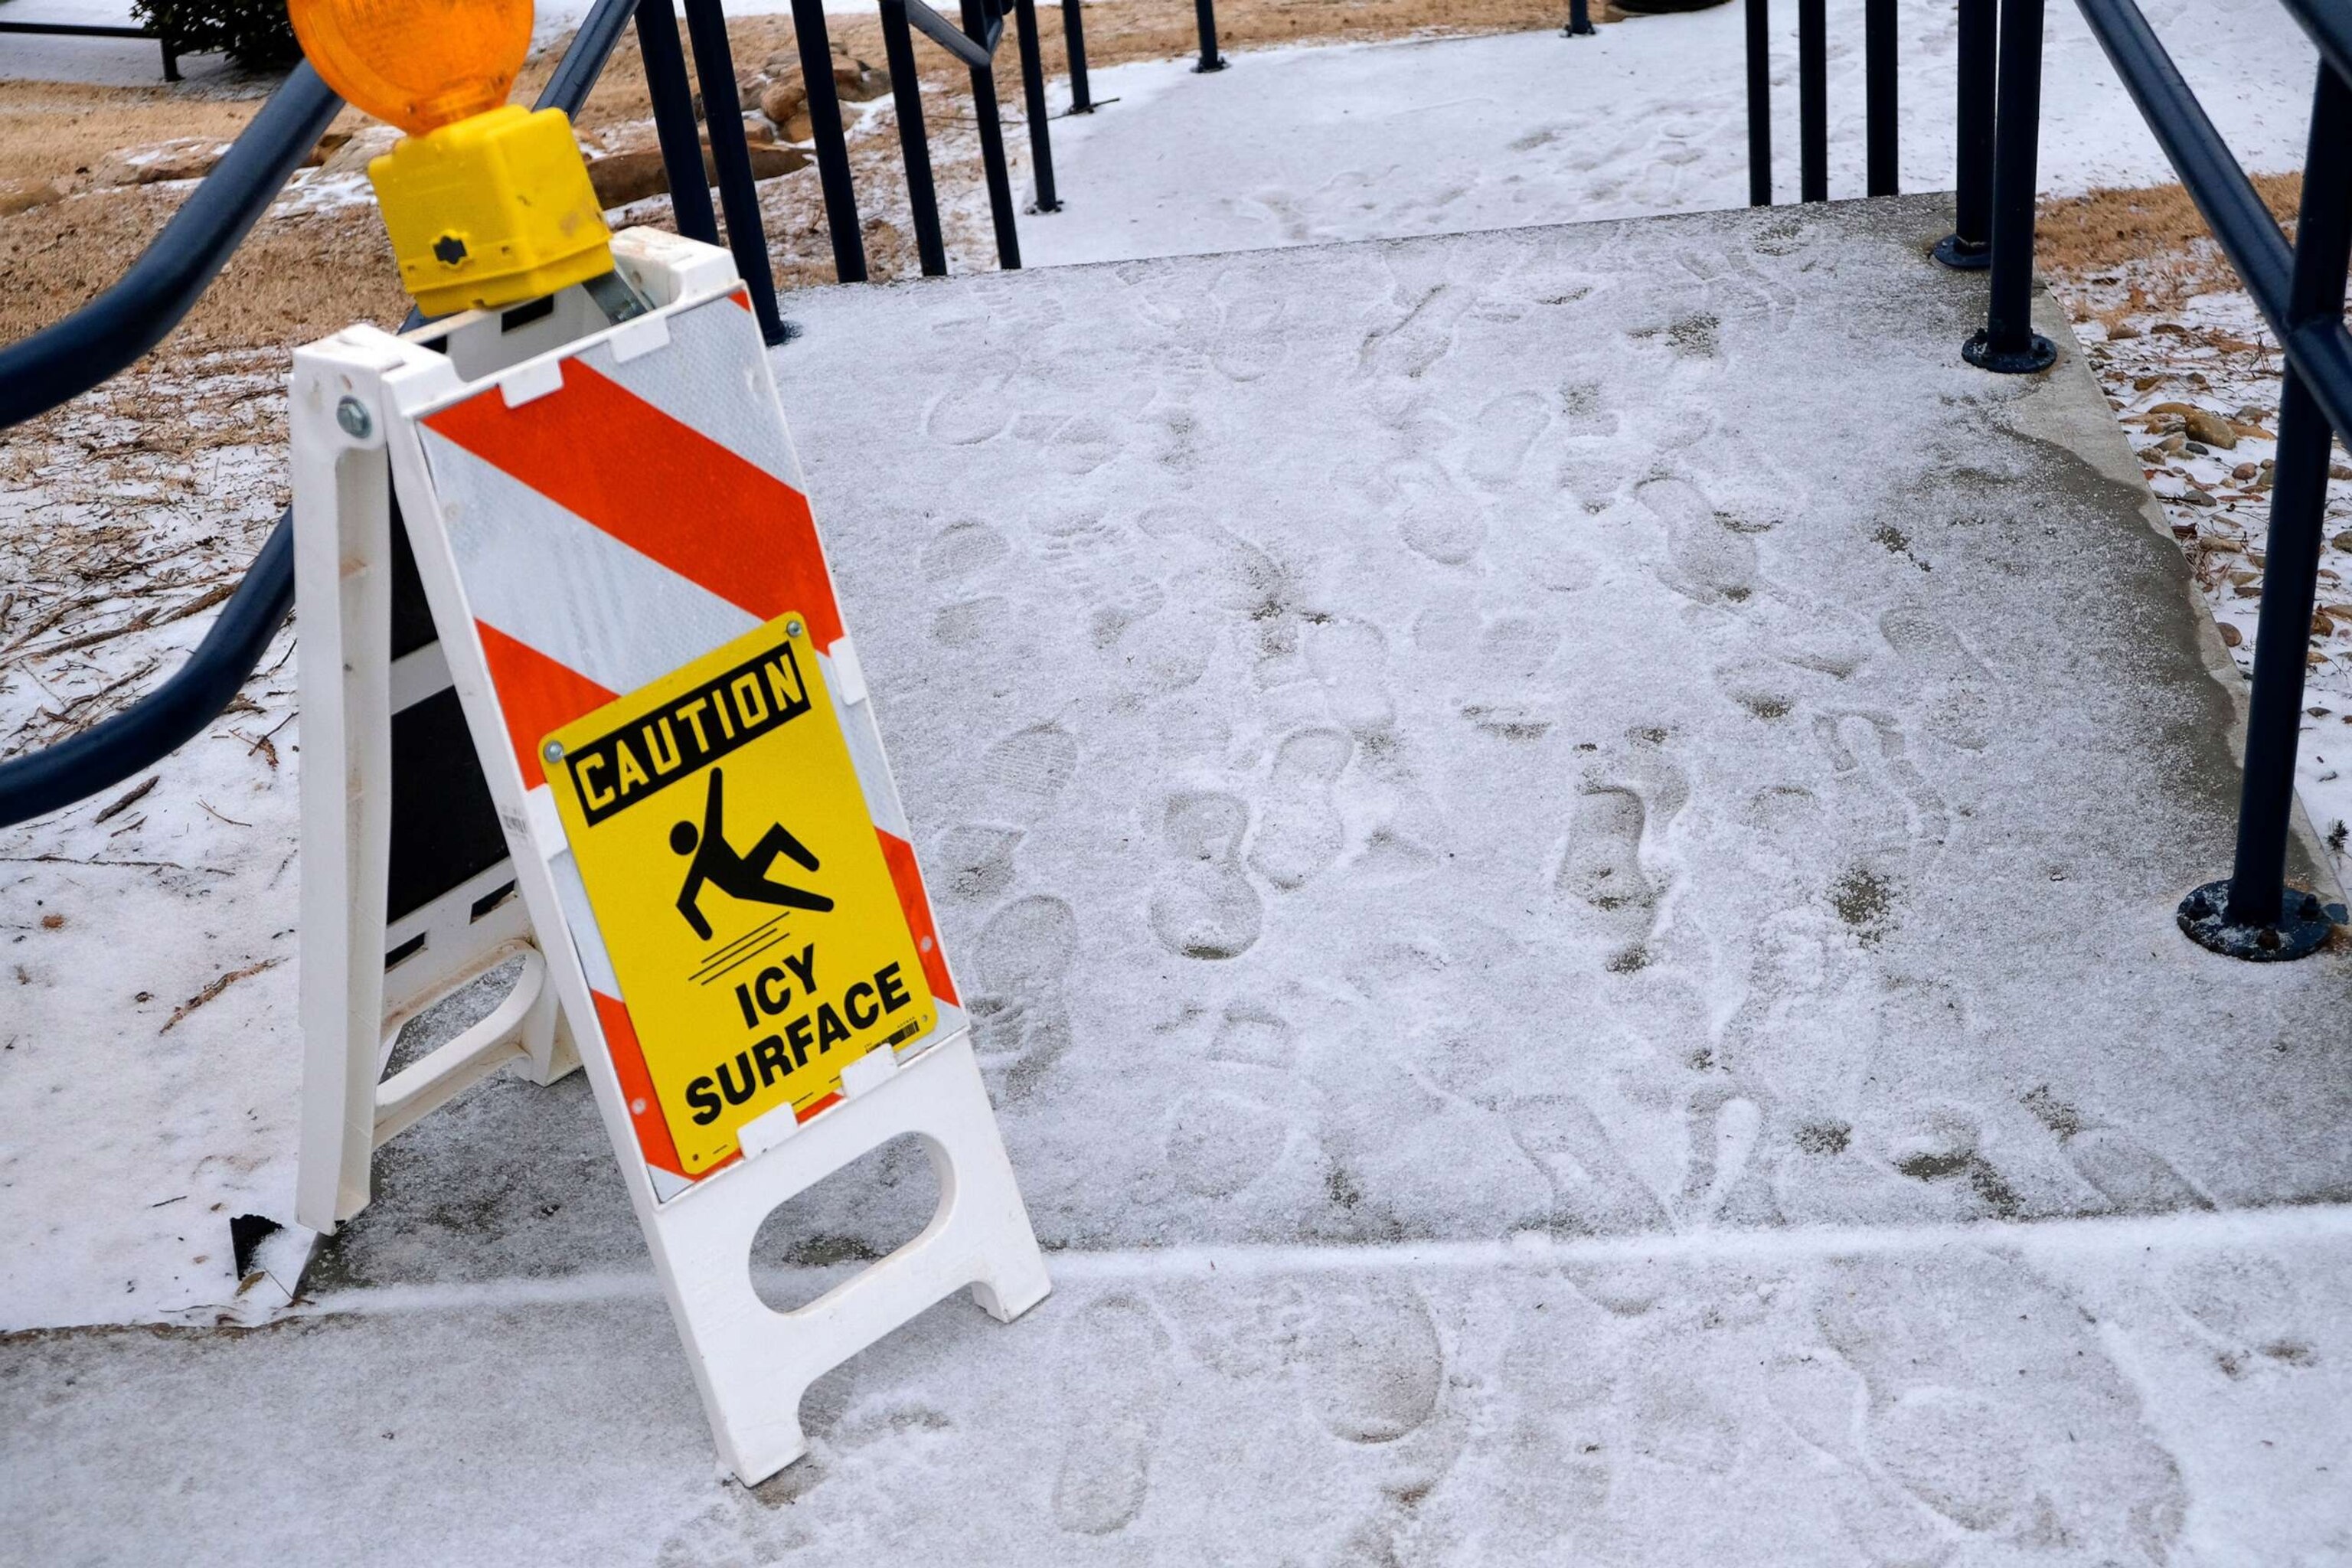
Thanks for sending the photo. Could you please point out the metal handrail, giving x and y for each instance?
(2299, 288)
(167, 281)
(102, 30)
(66, 358)
(2241, 223)
(974, 44)
(1881, 175)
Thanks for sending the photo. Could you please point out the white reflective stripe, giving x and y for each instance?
(572, 894)
(566, 588)
(710, 380)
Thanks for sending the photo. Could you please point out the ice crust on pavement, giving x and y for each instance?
(1563, 843)
(1468, 743)
(2102, 1391)
(1513, 858)
(203, 1121)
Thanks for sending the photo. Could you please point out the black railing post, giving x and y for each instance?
(832, 145)
(1205, 12)
(2260, 916)
(673, 100)
(1033, 98)
(1580, 20)
(1969, 245)
(730, 155)
(905, 91)
(1812, 101)
(1074, 37)
(981, 18)
(2008, 343)
(1759, 103)
(1882, 177)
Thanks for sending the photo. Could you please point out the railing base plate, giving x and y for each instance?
(2038, 354)
(2303, 929)
(1964, 254)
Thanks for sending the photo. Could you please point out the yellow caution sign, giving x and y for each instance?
(731, 861)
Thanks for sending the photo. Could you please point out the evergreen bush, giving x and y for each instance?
(254, 33)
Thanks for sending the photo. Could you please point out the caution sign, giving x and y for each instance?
(731, 861)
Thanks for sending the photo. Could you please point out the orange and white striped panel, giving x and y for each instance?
(617, 515)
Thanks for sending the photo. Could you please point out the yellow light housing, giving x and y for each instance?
(487, 204)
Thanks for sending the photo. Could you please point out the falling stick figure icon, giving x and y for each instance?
(742, 877)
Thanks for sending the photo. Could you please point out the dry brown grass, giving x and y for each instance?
(2109, 228)
(49, 129)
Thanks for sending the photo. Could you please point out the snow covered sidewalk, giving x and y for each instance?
(1380, 140)
(1563, 845)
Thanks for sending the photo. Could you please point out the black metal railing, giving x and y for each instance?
(161, 35)
(1881, 176)
(974, 43)
(64, 360)
(2299, 288)
(106, 336)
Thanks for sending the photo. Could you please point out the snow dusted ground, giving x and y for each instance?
(1386, 140)
(2103, 1391)
(146, 936)
(1516, 844)
(1513, 848)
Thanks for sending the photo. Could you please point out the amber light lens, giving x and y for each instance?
(419, 63)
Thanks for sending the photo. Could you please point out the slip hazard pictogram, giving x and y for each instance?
(712, 862)
(628, 533)
(747, 992)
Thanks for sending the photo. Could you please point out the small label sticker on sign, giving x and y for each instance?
(733, 863)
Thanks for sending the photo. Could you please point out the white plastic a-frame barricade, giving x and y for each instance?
(594, 509)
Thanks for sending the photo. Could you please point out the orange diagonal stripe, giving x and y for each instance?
(536, 695)
(660, 487)
(907, 878)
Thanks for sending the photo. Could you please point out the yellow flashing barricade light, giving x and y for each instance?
(488, 204)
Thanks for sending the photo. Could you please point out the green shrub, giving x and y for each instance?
(253, 33)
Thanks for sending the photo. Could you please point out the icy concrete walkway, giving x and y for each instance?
(1564, 842)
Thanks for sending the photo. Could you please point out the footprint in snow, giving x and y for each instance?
(1018, 999)
(1991, 1400)
(1299, 830)
(1204, 906)
(1114, 1382)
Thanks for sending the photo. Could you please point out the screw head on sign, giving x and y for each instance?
(354, 416)
(552, 750)
(794, 629)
